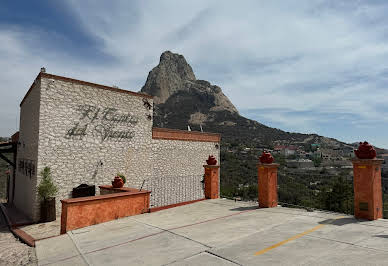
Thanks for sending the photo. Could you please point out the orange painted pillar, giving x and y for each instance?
(211, 181)
(268, 184)
(368, 201)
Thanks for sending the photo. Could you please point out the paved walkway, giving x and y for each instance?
(222, 232)
(12, 251)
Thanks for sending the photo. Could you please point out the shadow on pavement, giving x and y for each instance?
(245, 208)
(382, 236)
(341, 221)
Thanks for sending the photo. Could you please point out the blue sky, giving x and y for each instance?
(302, 66)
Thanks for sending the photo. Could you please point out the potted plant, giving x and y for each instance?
(119, 181)
(47, 191)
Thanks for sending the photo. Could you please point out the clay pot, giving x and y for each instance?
(365, 151)
(211, 160)
(266, 157)
(117, 182)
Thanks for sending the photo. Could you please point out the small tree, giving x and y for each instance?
(47, 189)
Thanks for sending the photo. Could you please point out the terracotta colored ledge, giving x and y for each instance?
(86, 211)
(103, 197)
(24, 237)
(175, 205)
(122, 189)
(375, 161)
(211, 166)
(175, 134)
(104, 87)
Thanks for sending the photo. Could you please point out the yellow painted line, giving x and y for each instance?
(293, 238)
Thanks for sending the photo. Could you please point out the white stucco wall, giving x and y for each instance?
(25, 198)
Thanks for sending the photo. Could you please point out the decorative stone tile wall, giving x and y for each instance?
(88, 134)
(178, 170)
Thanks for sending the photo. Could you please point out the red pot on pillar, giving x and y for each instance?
(368, 202)
(211, 160)
(365, 151)
(211, 178)
(266, 157)
(267, 172)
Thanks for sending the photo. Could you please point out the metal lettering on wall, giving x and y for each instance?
(102, 123)
(26, 167)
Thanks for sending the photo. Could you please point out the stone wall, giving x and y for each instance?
(178, 165)
(25, 197)
(88, 134)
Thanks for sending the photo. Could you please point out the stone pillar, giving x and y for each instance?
(368, 202)
(268, 184)
(211, 181)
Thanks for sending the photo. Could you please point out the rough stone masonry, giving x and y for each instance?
(87, 133)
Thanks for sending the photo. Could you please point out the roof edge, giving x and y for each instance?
(176, 134)
(104, 87)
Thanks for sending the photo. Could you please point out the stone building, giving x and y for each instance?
(87, 133)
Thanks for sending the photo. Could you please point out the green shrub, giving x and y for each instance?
(47, 189)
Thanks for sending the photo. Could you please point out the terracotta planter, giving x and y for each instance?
(266, 157)
(211, 160)
(47, 210)
(117, 182)
(365, 151)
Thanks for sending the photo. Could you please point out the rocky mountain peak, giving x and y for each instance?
(168, 77)
(173, 74)
(181, 100)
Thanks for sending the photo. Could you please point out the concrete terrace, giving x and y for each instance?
(222, 232)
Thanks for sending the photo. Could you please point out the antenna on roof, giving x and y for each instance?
(188, 128)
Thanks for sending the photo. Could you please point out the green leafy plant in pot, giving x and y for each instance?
(47, 191)
(119, 181)
(122, 177)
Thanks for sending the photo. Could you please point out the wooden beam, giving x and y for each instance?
(7, 160)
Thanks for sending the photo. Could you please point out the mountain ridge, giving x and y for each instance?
(180, 99)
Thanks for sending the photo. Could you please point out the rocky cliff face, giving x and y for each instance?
(181, 100)
(173, 74)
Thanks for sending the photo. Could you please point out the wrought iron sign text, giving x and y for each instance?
(102, 123)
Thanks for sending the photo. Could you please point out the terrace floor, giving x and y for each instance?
(222, 232)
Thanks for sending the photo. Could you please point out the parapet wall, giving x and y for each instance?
(178, 157)
(174, 134)
(81, 212)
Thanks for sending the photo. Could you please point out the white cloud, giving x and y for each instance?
(299, 56)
